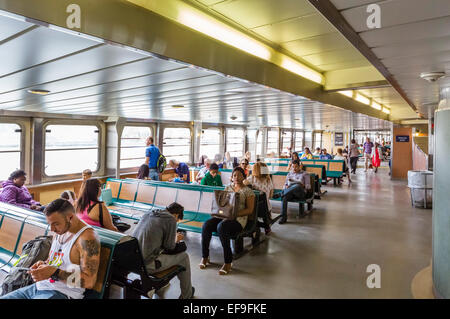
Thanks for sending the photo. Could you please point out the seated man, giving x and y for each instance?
(317, 152)
(182, 169)
(14, 192)
(72, 264)
(325, 155)
(203, 170)
(296, 186)
(87, 173)
(212, 178)
(159, 242)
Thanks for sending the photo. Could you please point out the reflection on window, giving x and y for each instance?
(177, 144)
(272, 142)
(298, 146)
(10, 135)
(69, 149)
(210, 142)
(286, 139)
(235, 142)
(132, 149)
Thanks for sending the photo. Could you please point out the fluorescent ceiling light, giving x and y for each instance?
(386, 110)
(177, 106)
(376, 105)
(361, 98)
(223, 33)
(302, 70)
(347, 93)
(39, 92)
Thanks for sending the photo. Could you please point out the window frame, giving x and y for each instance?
(153, 134)
(244, 135)
(191, 146)
(303, 140)
(60, 122)
(209, 127)
(274, 129)
(22, 141)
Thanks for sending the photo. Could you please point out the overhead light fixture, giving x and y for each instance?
(386, 110)
(376, 105)
(347, 93)
(223, 33)
(39, 92)
(302, 70)
(233, 117)
(362, 99)
(178, 106)
(260, 115)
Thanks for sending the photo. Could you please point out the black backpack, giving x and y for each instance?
(32, 251)
(162, 163)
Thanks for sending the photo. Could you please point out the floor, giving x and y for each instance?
(326, 254)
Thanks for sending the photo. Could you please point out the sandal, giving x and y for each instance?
(205, 262)
(225, 269)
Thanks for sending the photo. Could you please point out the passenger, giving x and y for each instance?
(307, 154)
(230, 162)
(318, 152)
(296, 186)
(14, 192)
(368, 145)
(75, 246)
(376, 161)
(182, 169)
(248, 156)
(161, 244)
(340, 156)
(92, 211)
(203, 171)
(70, 196)
(202, 159)
(293, 158)
(325, 155)
(354, 156)
(144, 172)
(261, 181)
(212, 178)
(228, 229)
(86, 174)
(152, 154)
(218, 160)
(244, 164)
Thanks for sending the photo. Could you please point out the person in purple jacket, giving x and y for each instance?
(14, 192)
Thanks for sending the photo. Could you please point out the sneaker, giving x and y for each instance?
(282, 221)
(192, 296)
(267, 230)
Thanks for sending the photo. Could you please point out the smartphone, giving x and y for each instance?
(22, 268)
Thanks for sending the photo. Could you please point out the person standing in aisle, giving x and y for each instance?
(151, 158)
(368, 145)
(354, 155)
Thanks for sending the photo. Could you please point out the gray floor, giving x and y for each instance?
(325, 255)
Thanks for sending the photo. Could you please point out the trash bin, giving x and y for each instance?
(420, 184)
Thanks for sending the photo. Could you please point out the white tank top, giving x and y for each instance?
(60, 257)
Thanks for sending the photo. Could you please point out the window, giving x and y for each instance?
(132, 149)
(210, 142)
(272, 141)
(308, 139)
(235, 142)
(317, 140)
(251, 143)
(298, 145)
(10, 149)
(259, 144)
(286, 140)
(177, 144)
(69, 149)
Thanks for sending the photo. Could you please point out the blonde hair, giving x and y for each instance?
(260, 170)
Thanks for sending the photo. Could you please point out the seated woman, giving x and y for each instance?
(70, 196)
(261, 181)
(144, 172)
(228, 228)
(293, 158)
(90, 209)
(14, 192)
(341, 157)
(307, 154)
(212, 178)
(244, 164)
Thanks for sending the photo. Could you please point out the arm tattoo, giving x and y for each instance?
(91, 247)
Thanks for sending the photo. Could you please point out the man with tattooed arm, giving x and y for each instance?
(72, 264)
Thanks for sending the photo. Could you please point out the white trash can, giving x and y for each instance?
(420, 184)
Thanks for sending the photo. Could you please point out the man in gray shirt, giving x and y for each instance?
(296, 186)
(158, 238)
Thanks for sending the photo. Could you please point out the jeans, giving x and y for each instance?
(353, 163)
(293, 192)
(31, 292)
(226, 230)
(168, 261)
(153, 174)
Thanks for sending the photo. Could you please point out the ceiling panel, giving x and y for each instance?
(10, 27)
(346, 4)
(334, 57)
(344, 65)
(321, 43)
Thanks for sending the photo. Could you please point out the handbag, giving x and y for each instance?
(225, 205)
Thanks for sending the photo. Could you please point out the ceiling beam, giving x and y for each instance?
(332, 14)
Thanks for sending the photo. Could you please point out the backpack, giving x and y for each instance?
(162, 163)
(32, 251)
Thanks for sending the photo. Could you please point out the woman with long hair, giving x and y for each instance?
(90, 209)
(143, 172)
(376, 159)
(293, 158)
